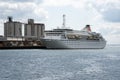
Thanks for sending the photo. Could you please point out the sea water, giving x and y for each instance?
(63, 64)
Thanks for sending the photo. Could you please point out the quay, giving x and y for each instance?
(21, 35)
(21, 45)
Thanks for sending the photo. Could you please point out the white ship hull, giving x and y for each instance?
(73, 44)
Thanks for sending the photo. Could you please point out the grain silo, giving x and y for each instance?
(33, 31)
(12, 28)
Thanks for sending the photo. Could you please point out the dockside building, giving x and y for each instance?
(33, 31)
(12, 29)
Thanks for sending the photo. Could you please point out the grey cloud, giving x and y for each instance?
(21, 0)
(112, 15)
(21, 14)
(20, 10)
(109, 11)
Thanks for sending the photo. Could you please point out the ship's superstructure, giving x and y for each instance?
(68, 38)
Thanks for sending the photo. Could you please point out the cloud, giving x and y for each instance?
(109, 9)
(113, 39)
(18, 0)
(62, 3)
(112, 15)
(110, 31)
(22, 10)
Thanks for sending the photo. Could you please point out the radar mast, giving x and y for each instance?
(64, 20)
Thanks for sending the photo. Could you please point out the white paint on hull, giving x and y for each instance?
(73, 44)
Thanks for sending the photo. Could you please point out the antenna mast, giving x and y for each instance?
(64, 20)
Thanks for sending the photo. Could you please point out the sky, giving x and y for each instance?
(102, 15)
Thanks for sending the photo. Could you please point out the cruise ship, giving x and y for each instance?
(65, 38)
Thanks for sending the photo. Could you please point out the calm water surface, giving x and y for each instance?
(76, 64)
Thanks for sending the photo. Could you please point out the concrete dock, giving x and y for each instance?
(21, 45)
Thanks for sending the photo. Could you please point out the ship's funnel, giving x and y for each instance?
(87, 28)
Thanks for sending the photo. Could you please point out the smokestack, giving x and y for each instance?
(9, 19)
(30, 21)
(88, 28)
